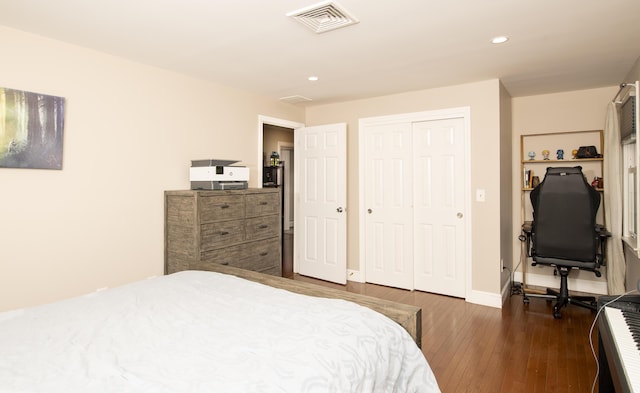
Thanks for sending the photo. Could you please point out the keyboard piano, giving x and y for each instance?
(619, 348)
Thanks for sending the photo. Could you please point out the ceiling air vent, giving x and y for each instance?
(323, 17)
(295, 99)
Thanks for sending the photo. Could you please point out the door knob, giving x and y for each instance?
(369, 211)
(339, 210)
(459, 215)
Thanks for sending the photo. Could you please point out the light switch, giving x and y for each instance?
(480, 195)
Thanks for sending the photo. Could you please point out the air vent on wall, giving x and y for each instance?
(323, 17)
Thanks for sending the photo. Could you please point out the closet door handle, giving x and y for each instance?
(339, 210)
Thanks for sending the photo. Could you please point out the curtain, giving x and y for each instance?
(616, 264)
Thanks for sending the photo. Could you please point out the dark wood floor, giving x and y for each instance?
(474, 348)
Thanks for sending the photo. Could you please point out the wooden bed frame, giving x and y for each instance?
(409, 317)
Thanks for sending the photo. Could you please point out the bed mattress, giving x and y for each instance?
(196, 331)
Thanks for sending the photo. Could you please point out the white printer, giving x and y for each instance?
(218, 175)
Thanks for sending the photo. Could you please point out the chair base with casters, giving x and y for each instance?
(562, 296)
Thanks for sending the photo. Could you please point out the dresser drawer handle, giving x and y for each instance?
(263, 226)
(224, 263)
(224, 207)
(264, 203)
(224, 233)
(264, 254)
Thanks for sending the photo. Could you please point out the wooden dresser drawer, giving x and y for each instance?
(259, 256)
(221, 207)
(220, 234)
(262, 227)
(263, 204)
(224, 256)
(262, 256)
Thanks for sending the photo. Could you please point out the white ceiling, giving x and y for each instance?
(399, 45)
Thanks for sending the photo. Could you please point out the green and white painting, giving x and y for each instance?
(31, 130)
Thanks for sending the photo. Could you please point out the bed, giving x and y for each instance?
(203, 331)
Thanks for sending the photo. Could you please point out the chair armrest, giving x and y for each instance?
(602, 231)
(527, 229)
(603, 235)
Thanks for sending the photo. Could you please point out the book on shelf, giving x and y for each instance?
(527, 178)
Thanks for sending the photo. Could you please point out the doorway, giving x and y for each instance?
(277, 135)
(285, 150)
(278, 142)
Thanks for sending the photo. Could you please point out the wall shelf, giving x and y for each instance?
(567, 141)
(563, 161)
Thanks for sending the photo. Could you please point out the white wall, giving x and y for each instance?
(506, 186)
(130, 133)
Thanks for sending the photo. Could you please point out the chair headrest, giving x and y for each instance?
(563, 171)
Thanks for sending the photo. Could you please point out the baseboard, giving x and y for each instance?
(506, 292)
(355, 276)
(596, 286)
(485, 299)
(476, 297)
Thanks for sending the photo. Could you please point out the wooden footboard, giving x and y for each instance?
(409, 317)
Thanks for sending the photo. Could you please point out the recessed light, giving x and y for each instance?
(499, 40)
(313, 78)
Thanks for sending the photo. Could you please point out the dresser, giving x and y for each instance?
(240, 228)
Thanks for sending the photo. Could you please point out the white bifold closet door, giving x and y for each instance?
(414, 199)
(388, 175)
(438, 206)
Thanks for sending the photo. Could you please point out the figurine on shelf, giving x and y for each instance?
(560, 154)
(597, 182)
(532, 155)
(545, 154)
(574, 153)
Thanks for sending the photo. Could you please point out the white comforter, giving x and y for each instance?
(206, 332)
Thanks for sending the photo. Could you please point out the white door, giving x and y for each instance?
(388, 244)
(439, 201)
(320, 188)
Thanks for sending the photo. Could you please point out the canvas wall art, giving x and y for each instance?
(31, 130)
